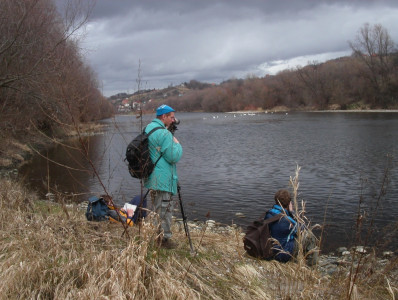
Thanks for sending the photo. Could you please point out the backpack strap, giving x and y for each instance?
(272, 219)
(153, 130)
(148, 134)
(264, 214)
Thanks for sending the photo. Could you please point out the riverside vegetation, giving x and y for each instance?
(49, 251)
(46, 87)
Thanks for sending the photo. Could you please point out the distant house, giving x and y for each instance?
(124, 107)
(135, 105)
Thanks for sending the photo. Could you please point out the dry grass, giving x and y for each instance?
(84, 128)
(12, 151)
(46, 253)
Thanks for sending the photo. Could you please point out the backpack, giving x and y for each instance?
(97, 209)
(137, 155)
(257, 240)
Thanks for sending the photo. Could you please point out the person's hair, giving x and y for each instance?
(282, 197)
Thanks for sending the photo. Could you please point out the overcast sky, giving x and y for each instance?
(213, 40)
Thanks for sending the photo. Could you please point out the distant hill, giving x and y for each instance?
(124, 102)
(346, 83)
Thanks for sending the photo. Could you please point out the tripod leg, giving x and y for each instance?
(184, 219)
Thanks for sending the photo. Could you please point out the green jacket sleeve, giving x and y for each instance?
(171, 151)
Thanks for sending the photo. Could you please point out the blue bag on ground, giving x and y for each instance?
(97, 209)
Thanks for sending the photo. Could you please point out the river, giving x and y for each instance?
(234, 163)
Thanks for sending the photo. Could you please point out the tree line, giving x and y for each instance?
(366, 79)
(44, 81)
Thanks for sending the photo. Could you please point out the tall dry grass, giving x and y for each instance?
(50, 251)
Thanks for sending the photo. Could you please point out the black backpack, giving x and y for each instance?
(137, 155)
(257, 240)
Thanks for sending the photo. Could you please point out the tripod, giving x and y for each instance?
(184, 219)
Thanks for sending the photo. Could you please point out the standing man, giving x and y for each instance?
(163, 180)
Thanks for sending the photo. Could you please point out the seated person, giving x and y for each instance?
(285, 231)
(131, 213)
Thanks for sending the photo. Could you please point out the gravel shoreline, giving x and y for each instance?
(341, 259)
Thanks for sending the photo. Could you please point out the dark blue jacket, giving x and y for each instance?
(285, 231)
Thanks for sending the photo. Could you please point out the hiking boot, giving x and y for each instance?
(168, 244)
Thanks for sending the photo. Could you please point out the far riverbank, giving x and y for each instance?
(16, 152)
(286, 109)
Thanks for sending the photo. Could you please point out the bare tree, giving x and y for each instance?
(316, 82)
(41, 66)
(374, 47)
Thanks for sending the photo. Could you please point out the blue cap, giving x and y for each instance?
(163, 109)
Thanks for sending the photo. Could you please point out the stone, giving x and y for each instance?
(50, 196)
(359, 249)
(331, 269)
(240, 215)
(388, 254)
(340, 250)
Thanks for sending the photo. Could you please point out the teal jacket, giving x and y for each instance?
(164, 177)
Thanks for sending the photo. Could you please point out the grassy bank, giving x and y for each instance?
(49, 251)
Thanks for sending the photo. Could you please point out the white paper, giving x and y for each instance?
(129, 209)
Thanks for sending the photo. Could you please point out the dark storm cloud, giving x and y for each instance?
(212, 41)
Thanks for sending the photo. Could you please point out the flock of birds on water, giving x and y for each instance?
(241, 114)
